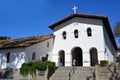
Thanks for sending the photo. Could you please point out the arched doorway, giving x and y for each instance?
(61, 58)
(77, 59)
(93, 56)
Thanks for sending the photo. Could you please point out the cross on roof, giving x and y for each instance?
(75, 9)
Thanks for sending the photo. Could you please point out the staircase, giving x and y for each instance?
(73, 73)
(104, 73)
(86, 73)
(83, 73)
(62, 73)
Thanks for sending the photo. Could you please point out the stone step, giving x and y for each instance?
(78, 79)
(78, 71)
(85, 68)
(59, 78)
(74, 77)
(108, 75)
(61, 74)
(104, 79)
(118, 67)
(118, 71)
(105, 74)
(65, 68)
(82, 75)
(106, 67)
(63, 71)
(104, 70)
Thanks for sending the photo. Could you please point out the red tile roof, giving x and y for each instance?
(23, 42)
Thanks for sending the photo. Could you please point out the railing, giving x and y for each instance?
(71, 73)
(112, 69)
(114, 73)
(94, 76)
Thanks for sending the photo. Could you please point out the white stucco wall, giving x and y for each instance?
(84, 42)
(110, 51)
(40, 49)
(17, 58)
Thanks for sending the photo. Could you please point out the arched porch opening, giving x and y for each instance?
(77, 58)
(61, 58)
(93, 56)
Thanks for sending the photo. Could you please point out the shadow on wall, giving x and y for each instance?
(6, 74)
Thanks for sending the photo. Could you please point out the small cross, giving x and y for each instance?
(75, 9)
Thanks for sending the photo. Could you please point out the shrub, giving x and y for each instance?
(44, 65)
(30, 68)
(49, 64)
(104, 62)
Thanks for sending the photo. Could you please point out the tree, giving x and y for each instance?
(4, 37)
(117, 29)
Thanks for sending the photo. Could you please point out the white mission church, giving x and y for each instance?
(77, 40)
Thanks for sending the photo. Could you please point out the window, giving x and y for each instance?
(34, 56)
(76, 33)
(64, 35)
(48, 44)
(89, 32)
(8, 57)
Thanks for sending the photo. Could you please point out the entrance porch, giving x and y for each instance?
(78, 58)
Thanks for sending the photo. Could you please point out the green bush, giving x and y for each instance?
(104, 62)
(49, 64)
(44, 65)
(30, 68)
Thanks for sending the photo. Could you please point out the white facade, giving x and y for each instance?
(83, 41)
(98, 46)
(99, 40)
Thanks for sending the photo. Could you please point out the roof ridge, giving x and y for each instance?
(90, 14)
(31, 36)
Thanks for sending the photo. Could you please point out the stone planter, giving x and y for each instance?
(41, 73)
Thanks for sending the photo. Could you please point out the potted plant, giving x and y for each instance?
(104, 62)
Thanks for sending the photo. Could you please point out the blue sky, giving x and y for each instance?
(21, 18)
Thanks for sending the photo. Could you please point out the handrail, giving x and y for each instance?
(114, 72)
(71, 73)
(94, 76)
